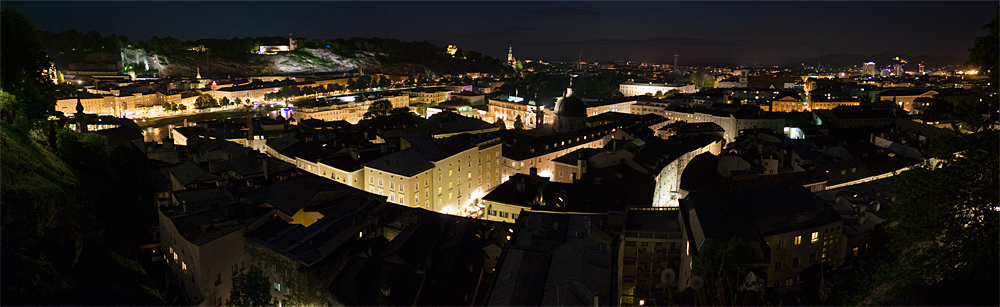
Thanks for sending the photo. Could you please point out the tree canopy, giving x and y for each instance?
(947, 214)
(985, 51)
(702, 80)
(22, 69)
(251, 288)
(378, 108)
(205, 101)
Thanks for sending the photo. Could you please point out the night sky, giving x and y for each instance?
(700, 32)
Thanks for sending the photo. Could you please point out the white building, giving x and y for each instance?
(630, 88)
(443, 175)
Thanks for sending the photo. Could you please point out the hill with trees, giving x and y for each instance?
(238, 57)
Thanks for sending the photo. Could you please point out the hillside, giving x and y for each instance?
(237, 57)
(53, 243)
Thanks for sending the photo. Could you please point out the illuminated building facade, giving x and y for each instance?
(444, 175)
(654, 255)
(869, 69)
(631, 88)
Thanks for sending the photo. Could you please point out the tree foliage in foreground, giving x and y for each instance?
(948, 218)
(251, 288)
(21, 70)
(985, 53)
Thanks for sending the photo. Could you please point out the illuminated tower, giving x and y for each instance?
(675, 63)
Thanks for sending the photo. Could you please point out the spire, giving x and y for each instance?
(199, 73)
(80, 117)
(79, 105)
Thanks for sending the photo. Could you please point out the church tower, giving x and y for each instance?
(510, 55)
(80, 117)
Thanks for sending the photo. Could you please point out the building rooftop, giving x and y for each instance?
(768, 211)
(557, 259)
(662, 219)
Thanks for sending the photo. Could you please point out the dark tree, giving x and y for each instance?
(948, 230)
(518, 124)
(205, 101)
(22, 69)
(984, 53)
(378, 108)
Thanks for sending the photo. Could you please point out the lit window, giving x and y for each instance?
(815, 237)
(277, 286)
(798, 240)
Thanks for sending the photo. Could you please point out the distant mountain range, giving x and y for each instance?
(881, 60)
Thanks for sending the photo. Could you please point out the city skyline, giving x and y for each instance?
(702, 33)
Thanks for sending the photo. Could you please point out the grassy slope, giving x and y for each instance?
(50, 256)
(28, 171)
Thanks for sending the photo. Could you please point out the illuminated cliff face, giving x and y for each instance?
(312, 60)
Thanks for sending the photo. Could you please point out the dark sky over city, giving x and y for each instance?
(700, 32)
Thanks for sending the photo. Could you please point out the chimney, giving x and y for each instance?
(264, 162)
(581, 164)
(533, 171)
(520, 186)
(185, 206)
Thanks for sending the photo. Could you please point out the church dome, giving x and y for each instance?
(571, 106)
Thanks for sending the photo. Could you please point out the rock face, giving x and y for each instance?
(302, 61)
(138, 58)
(318, 60)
